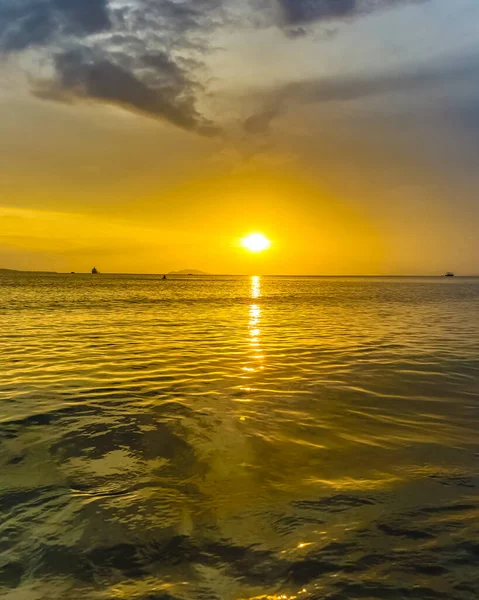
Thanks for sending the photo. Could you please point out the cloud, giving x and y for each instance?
(148, 56)
(296, 12)
(260, 122)
(78, 77)
(28, 23)
(340, 89)
(302, 11)
(144, 55)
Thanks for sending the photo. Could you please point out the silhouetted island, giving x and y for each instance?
(188, 272)
(19, 271)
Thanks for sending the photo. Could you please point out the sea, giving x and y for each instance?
(238, 438)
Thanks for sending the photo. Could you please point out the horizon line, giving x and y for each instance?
(176, 274)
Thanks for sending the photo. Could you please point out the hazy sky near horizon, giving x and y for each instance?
(151, 135)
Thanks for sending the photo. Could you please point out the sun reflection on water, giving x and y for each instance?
(254, 333)
(255, 286)
(254, 318)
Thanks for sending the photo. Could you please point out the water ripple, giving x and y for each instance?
(229, 438)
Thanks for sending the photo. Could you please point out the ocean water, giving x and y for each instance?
(237, 438)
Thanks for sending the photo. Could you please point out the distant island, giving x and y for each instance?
(188, 272)
(19, 271)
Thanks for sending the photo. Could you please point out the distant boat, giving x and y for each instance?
(94, 271)
(449, 274)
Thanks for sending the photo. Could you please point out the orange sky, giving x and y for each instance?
(346, 137)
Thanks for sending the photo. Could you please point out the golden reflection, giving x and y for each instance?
(253, 325)
(350, 483)
(304, 544)
(254, 332)
(149, 586)
(255, 316)
(277, 597)
(255, 286)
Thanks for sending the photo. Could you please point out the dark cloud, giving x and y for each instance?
(296, 12)
(351, 88)
(260, 122)
(101, 80)
(150, 56)
(27, 23)
(302, 11)
(87, 16)
(342, 89)
(135, 63)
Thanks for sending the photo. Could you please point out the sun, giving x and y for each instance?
(256, 242)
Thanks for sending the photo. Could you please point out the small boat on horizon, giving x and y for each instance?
(94, 271)
(449, 274)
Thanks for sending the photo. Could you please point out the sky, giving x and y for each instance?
(144, 136)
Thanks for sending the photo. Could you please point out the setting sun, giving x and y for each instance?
(256, 242)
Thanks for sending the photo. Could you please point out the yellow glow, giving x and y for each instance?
(256, 242)
(255, 287)
(53, 238)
